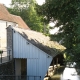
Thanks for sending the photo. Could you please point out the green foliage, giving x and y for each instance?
(1, 51)
(67, 13)
(26, 9)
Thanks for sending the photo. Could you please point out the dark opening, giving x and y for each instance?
(23, 68)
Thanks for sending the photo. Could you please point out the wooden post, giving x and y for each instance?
(57, 64)
(9, 55)
(57, 61)
(53, 64)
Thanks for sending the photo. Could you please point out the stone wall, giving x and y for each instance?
(7, 68)
(9, 39)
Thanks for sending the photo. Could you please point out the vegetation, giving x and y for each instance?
(1, 51)
(67, 14)
(26, 9)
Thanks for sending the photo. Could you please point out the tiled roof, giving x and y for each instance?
(6, 16)
(41, 41)
(19, 21)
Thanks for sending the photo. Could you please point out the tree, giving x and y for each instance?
(26, 9)
(67, 13)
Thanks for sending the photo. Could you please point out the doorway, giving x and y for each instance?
(23, 68)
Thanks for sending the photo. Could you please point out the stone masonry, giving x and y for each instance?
(9, 39)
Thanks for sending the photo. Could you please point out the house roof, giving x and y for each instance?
(41, 41)
(6, 16)
(19, 21)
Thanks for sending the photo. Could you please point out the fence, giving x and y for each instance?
(12, 77)
(5, 56)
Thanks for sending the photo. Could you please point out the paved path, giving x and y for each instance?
(69, 74)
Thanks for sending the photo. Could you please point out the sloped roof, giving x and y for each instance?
(19, 21)
(6, 16)
(41, 41)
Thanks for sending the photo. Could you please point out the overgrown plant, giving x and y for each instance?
(1, 51)
(67, 13)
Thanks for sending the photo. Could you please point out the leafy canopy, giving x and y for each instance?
(26, 9)
(67, 13)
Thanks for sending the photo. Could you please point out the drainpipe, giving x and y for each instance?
(6, 24)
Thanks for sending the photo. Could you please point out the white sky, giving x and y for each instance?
(40, 2)
(8, 2)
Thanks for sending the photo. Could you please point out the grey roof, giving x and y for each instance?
(41, 41)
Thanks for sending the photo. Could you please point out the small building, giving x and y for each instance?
(32, 51)
(7, 19)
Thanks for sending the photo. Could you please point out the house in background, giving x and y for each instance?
(7, 19)
(32, 51)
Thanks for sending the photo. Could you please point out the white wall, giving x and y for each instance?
(22, 49)
(38, 66)
(37, 60)
(3, 35)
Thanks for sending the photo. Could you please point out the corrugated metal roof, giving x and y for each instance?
(41, 41)
(6, 16)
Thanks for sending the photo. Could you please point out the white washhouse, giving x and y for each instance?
(31, 46)
(37, 60)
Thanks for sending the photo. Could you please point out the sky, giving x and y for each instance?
(8, 2)
(40, 2)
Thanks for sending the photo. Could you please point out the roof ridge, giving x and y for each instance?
(15, 15)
